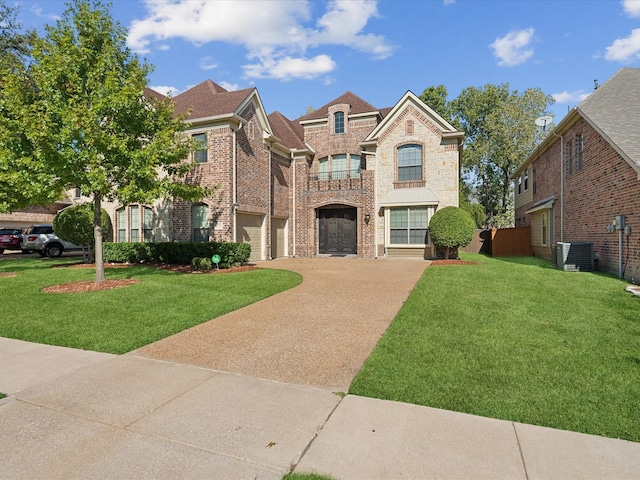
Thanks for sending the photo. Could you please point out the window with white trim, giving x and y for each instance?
(409, 226)
(338, 122)
(132, 220)
(200, 222)
(409, 163)
(526, 179)
(339, 167)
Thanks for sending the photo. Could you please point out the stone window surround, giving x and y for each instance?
(408, 183)
(332, 110)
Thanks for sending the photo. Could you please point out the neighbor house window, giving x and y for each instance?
(409, 226)
(569, 158)
(338, 122)
(200, 222)
(131, 221)
(409, 163)
(579, 151)
(200, 154)
(78, 192)
(526, 179)
(544, 228)
(534, 181)
(519, 184)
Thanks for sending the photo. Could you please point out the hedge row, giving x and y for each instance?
(182, 253)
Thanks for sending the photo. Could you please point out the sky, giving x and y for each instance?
(302, 54)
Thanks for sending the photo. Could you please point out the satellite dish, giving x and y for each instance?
(542, 121)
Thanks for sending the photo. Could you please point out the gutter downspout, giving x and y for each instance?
(234, 193)
(294, 205)
(561, 185)
(269, 212)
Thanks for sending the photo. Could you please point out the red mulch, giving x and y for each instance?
(89, 286)
(453, 262)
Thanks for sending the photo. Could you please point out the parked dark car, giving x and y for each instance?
(10, 239)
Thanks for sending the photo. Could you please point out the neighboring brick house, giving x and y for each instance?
(584, 174)
(346, 179)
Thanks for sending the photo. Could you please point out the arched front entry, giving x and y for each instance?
(337, 230)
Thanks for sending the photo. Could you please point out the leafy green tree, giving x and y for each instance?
(500, 133)
(75, 224)
(451, 228)
(80, 119)
(475, 210)
(436, 98)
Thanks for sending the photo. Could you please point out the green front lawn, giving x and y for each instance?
(517, 340)
(122, 319)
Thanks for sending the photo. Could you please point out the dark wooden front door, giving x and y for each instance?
(338, 231)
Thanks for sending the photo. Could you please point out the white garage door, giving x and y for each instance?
(250, 231)
(278, 237)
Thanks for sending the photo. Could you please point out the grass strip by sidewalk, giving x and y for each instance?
(515, 339)
(122, 319)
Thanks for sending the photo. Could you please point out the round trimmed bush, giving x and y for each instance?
(451, 228)
(75, 224)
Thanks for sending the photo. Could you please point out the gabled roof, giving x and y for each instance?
(410, 98)
(614, 111)
(290, 133)
(209, 99)
(358, 106)
(151, 94)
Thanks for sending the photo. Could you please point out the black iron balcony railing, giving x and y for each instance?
(336, 180)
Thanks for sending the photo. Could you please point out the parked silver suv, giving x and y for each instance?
(41, 239)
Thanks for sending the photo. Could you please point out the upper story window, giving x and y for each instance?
(202, 147)
(409, 163)
(200, 222)
(519, 184)
(526, 179)
(339, 167)
(534, 181)
(579, 151)
(569, 158)
(338, 122)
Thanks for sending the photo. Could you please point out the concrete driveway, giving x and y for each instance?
(318, 333)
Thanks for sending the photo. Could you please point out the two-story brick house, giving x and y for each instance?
(584, 174)
(346, 179)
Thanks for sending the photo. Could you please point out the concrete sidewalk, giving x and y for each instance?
(76, 414)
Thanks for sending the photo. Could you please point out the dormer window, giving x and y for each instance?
(338, 122)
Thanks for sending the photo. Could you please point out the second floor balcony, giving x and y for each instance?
(338, 180)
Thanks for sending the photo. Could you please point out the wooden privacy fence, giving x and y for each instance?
(501, 242)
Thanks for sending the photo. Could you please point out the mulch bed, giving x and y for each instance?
(90, 286)
(437, 263)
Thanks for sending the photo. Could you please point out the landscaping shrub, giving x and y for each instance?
(75, 224)
(451, 228)
(201, 264)
(182, 253)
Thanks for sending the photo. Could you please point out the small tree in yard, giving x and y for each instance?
(78, 118)
(75, 224)
(451, 228)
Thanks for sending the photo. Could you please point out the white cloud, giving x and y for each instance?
(570, 97)
(274, 33)
(207, 64)
(164, 90)
(631, 7)
(232, 87)
(514, 48)
(288, 68)
(625, 49)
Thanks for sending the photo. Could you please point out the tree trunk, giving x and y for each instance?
(97, 229)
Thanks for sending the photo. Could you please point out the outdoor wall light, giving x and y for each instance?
(367, 217)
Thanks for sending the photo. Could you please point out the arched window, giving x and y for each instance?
(338, 122)
(131, 221)
(409, 163)
(200, 222)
